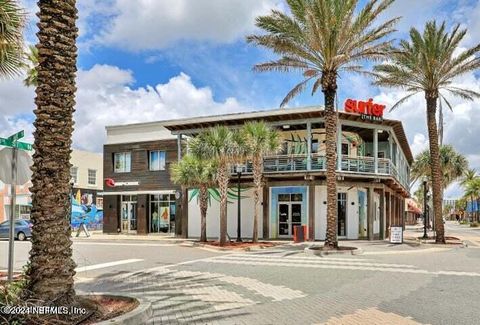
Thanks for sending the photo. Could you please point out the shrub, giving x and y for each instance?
(474, 224)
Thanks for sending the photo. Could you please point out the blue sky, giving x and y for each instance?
(143, 60)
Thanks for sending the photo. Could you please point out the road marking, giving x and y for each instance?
(105, 265)
(433, 249)
(121, 244)
(314, 260)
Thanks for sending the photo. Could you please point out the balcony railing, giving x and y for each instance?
(355, 165)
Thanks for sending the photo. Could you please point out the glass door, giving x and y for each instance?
(296, 216)
(124, 217)
(128, 214)
(283, 219)
(342, 214)
(132, 215)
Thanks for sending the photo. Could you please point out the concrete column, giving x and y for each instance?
(370, 211)
(184, 200)
(382, 214)
(309, 145)
(339, 146)
(375, 150)
(311, 211)
(179, 147)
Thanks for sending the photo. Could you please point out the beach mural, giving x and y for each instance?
(84, 208)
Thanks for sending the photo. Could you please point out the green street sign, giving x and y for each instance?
(16, 136)
(23, 146)
(5, 142)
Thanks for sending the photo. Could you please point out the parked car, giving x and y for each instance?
(23, 229)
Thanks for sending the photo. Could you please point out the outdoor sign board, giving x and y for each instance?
(396, 235)
(368, 110)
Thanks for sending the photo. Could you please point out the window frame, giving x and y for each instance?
(122, 154)
(160, 166)
(75, 182)
(88, 177)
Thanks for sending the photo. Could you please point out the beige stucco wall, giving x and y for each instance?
(84, 161)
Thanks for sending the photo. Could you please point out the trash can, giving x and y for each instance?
(299, 234)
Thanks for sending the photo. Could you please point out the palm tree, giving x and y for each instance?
(453, 165)
(321, 39)
(194, 172)
(32, 67)
(260, 140)
(472, 191)
(12, 22)
(223, 146)
(468, 177)
(427, 64)
(51, 265)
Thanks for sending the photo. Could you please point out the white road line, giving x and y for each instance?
(105, 265)
(434, 249)
(312, 261)
(345, 267)
(121, 244)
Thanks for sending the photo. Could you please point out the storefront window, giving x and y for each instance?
(162, 213)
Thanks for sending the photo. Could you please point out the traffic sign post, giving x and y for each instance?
(12, 141)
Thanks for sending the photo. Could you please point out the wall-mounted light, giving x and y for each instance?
(324, 202)
(286, 127)
(380, 131)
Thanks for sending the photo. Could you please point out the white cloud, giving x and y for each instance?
(145, 24)
(105, 98)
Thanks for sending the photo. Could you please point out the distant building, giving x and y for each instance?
(86, 173)
(449, 202)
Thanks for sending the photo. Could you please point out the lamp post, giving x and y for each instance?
(425, 190)
(239, 169)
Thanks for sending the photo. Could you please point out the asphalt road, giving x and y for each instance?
(388, 284)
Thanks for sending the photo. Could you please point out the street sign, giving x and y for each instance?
(396, 235)
(16, 136)
(23, 146)
(5, 142)
(23, 163)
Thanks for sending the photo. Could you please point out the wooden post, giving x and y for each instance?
(382, 214)
(311, 211)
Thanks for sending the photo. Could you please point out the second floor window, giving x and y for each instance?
(74, 175)
(92, 177)
(157, 160)
(122, 162)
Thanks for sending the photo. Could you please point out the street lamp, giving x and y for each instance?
(425, 190)
(239, 169)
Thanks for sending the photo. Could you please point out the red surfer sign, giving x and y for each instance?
(368, 110)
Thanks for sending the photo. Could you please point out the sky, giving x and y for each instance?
(144, 60)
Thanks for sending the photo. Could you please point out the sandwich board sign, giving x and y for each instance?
(396, 235)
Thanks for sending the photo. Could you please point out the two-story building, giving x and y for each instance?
(373, 169)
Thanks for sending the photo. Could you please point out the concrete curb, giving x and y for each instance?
(225, 249)
(140, 315)
(317, 252)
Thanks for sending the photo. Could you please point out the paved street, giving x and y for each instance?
(387, 284)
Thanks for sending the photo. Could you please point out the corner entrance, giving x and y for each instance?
(289, 213)
(129, 214)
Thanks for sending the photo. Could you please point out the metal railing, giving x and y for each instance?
(317, 162)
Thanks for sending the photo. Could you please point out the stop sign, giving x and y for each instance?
(24, 161)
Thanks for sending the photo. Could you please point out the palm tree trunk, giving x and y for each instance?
(257, 181)
(329, 90)
(203, 212)
(435, 168)
(223, 187)
(52, 268)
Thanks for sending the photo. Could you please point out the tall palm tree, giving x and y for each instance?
(51, 265)
(223, 146)
(194, 172)
(427, 64)
(12, 22)
(321, 39)
(472, 190)
(32, 67)
(453, 165)
(260, 140)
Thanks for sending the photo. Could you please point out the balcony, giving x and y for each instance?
(353, 165)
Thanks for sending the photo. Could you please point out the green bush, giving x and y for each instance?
(474, 225)
(464, 222)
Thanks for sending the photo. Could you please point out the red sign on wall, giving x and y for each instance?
(368, 110)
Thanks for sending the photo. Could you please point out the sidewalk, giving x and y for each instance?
(99, 235)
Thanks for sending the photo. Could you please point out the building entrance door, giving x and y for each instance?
(129, 216)
(342, 214)
(289, 214)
